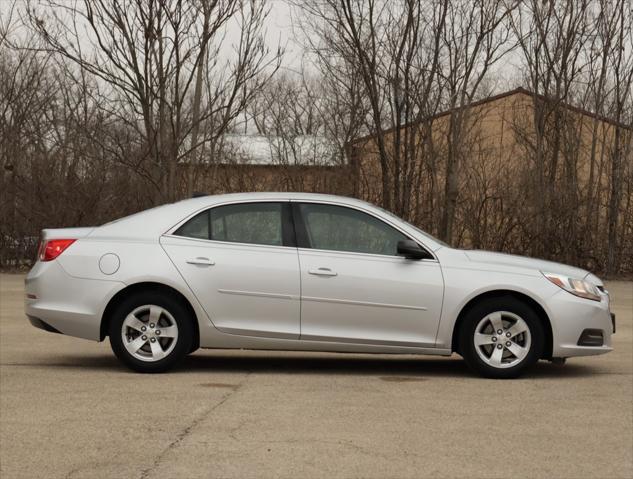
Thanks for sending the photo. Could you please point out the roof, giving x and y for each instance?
(149, 225)
(500, 96)
(209, 200)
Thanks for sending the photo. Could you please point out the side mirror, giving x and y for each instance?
(411, 250)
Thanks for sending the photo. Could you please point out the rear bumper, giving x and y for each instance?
(39, 324)
(58, 302)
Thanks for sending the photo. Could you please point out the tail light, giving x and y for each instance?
(51, 249)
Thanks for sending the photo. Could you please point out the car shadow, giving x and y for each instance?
(388, 368)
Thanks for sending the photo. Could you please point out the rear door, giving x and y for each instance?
(354, 287)
(241, 262)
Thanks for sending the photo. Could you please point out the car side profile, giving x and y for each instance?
(306, 272)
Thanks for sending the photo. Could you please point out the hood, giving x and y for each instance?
(510, 260)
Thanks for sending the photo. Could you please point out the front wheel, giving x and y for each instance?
(150, 332)
(500, 337)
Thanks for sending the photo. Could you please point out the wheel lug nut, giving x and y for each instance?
(158, 332)
(499, 346)
(508, 335)
(499, 331)
(153, 340)
(508, 343)
(144, 338)
(151, 325)
(143, 328)
(494, 338)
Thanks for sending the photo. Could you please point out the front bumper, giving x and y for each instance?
(571, 317)
(613, 321)
(58, 302)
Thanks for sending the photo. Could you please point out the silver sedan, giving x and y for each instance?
(306, 272)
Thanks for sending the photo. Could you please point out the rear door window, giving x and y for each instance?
(252, 223)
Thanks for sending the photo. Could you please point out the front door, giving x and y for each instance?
(241, 263)
(354, 288)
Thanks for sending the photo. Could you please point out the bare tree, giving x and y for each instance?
(307, 123)
(600, 47)
(108, 107)
(552, 37)
(154, 57)
(575, 52)
(54, 172)
(621, 62)
(393, 48)
(476, 36)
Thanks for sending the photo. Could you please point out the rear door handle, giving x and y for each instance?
(322, 272)
(201, 261)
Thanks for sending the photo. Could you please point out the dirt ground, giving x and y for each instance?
(68, 409)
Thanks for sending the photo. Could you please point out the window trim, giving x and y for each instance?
(303, 241)
(288, 234)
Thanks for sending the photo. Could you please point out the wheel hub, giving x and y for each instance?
(149, 333)
(502, 339)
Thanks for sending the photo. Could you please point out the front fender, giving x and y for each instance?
(463, 285)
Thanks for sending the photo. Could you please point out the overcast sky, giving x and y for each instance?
(278, 27)
(279, 31)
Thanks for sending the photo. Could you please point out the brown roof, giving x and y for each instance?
(490, 99)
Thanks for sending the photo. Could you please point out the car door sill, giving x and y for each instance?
(373, 342)
(259, 334)
(292, 342)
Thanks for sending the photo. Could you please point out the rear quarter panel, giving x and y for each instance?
(139, 261)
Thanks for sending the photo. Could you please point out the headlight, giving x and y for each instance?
(578, 287)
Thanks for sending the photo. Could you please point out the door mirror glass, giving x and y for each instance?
(411, 250)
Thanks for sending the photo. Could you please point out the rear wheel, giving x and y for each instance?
(150, 332)
(500, 337)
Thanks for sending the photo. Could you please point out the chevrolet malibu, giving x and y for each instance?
(306, 272)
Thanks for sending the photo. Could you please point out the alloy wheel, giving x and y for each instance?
(149, 333)
(502, 339)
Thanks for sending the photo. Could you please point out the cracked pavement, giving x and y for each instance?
(69, 410)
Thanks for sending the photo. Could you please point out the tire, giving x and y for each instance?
(480, 341)
(167, 336)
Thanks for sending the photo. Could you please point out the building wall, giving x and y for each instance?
(502, 179)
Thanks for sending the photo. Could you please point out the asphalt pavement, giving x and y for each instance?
(68, 409)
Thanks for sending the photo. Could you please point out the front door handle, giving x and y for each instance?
(201, 261)
(322, 272)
